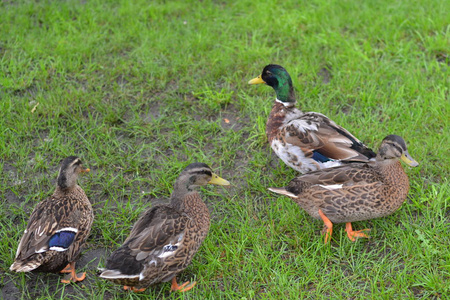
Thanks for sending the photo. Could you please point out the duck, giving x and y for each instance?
(309, 141)
(354, 192)
(166, 237)
(58, 227)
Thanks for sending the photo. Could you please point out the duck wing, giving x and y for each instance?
(158, 234)
(321, 138)
(335, 178)
(53, 225)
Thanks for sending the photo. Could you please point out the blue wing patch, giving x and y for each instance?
(320, 157)
(62, 239)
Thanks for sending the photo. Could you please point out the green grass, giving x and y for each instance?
(140, 89)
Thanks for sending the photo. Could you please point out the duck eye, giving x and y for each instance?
(268, 73)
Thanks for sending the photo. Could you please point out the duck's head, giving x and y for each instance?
(279, 79)
(198, 174)
(71, 167)
(394, 147)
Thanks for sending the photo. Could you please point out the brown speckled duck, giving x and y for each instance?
(58, 227)
(164, 240)
(354, 192)
(306, 141)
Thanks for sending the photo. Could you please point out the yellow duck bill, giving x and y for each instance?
(218, 180)
(257, 80)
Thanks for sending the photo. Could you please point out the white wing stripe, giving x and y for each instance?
(331, 186)
(67, 229)
(59, 249)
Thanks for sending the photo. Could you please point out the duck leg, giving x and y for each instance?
(176, 287)
(67, 269)
(352, 234)
(70, 268)
(328, 224)
(133, 289)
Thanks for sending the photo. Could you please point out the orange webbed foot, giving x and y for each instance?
(181, 288)
(328, 225)
(355, 234)
(73, 277)
(133, 289)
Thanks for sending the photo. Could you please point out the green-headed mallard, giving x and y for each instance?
(306, 141)
(58, 227)
(164, 240)
(354, 192)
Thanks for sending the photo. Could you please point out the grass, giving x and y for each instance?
(140, 89)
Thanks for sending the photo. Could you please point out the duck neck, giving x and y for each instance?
(185, 197)
(180, 188)
(285, 93)
(191, 204)
(396, 178)
(59, 191)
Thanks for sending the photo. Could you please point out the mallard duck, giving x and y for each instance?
(306, 141)
(58, 227)
(354, 192)
(164, 240)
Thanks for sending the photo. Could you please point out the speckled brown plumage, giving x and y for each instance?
(358, 191)
(306, 141)
(164, 240)
(67, 212)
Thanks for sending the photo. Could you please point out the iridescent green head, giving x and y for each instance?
(277, 77)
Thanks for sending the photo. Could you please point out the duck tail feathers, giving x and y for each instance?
(282, 191)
